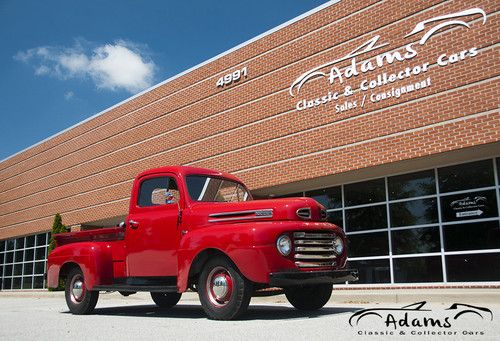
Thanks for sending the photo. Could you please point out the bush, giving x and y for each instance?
(57, 227)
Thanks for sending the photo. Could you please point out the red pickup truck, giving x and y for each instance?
(199, 229)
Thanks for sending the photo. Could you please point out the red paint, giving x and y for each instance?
(161, 244)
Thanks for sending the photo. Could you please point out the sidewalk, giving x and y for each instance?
(353, 296)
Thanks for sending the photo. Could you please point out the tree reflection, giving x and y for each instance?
(418, 240)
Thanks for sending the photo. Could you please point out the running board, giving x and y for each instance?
(125, 287)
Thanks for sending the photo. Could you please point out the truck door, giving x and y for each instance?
(153, 234)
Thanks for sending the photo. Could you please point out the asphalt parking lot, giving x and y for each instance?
(44, 316)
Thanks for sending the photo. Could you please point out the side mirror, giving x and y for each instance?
(169, 196)
(162, 196)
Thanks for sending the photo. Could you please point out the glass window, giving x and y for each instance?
(28, 269)
(466, 176)
(7, 270)
(18, 256)
(210, 189)
(7, 283)
(30, 241)
(418, 270)
(40, 253)
(328, 197)
(411, 185)
(41, 239)
(366, 218)
(149, 187)
(475, 236)
(10, 244)
(18, 269)
(39, 268)
(290, 195)
(420, 240)
(364, 244)
(414, 212)
(38, 282)
(472, 205)
(2, 245)
(335, 217)
(9, 257)
(365, 192)
(498, 169)
(29, 254)
(473, 267)
(16, 283)
(1, 270)
(20, 243)
(372, 271)
(27, 282)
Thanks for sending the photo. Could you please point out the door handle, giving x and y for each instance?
(133, 224)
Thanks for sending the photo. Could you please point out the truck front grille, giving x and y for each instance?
(314, 249)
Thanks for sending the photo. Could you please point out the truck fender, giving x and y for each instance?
(235, 243)
(94, 259)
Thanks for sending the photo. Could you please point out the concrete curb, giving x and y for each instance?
(417, 295)
(365, 296)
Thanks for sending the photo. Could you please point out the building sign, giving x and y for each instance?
(232, 77)
(361, 75)
(471, 205)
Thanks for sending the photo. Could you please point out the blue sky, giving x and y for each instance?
(63, 61)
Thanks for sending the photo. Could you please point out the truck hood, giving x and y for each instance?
(302, 209)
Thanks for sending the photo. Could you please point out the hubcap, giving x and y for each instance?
(77, 289)
(219, 286)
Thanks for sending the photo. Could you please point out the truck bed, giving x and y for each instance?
(97, 235)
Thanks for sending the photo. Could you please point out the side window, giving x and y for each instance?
(158, 191)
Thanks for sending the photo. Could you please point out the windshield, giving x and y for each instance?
(206, 188)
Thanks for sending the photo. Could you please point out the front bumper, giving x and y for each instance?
(292, 278)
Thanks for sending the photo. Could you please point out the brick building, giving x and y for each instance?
(386, 112)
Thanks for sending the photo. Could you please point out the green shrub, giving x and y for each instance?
(57, 227)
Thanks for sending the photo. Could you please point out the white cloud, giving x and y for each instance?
(121, 65)
(42, 70)
(69, 95)
(74, 63)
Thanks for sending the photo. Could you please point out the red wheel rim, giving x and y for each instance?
(219, 287)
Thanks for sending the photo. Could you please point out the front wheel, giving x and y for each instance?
(80, 301)
(309, 297)
(224, 292)
(166, 299)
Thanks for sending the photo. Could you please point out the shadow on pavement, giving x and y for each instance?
(255, 312)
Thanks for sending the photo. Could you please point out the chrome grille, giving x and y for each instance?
(314, 249)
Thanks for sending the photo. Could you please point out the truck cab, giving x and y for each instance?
(199, 229)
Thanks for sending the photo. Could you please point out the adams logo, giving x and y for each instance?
(335, 74)
(417, 319)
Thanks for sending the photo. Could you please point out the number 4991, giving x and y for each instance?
(232, 77)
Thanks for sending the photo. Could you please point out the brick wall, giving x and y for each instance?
(252, 127)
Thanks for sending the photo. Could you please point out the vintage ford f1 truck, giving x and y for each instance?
(199, 229)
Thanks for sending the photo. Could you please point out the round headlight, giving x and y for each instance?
(338, 245)
(284, 245)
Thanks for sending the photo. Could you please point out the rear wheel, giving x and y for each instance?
(80, 301)
(309, 297)
(166, 299)
(224, 292)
